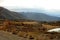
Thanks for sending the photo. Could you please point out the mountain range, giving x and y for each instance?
(7, 14)
(39, 16)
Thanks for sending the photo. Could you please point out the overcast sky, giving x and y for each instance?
(52, 6)
(46, 4)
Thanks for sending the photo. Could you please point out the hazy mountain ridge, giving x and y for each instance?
(6, 14)
(39, 16)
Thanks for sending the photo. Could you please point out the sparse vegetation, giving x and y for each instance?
(31, 29)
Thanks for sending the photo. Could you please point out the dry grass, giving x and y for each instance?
(30, 30)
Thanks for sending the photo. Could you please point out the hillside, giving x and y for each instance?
(8, 36)
(27, 26)
(29, 30)
(7, 14)
(39, 16)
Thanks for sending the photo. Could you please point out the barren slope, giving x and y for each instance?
(8, 36)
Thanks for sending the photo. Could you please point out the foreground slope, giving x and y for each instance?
(8, 36)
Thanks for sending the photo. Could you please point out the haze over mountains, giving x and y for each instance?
(6, 14)
(40, 16)
(40, 10)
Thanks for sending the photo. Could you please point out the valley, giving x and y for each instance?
(31, 30)
(28, 25)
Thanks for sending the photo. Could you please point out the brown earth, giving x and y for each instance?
(30, 30)
(8, 36)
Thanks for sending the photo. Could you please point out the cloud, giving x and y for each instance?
(1, 1)
(46, 4)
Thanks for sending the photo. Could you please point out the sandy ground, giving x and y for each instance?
(8, 36)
